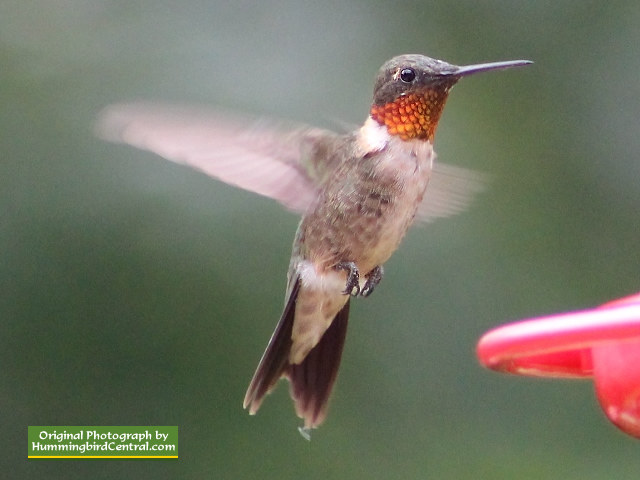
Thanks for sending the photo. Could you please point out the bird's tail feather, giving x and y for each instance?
(311, 380)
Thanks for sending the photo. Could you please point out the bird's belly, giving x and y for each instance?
(364, 213)
(366, 231)
(377, 238)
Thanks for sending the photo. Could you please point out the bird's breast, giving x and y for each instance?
(366, 207)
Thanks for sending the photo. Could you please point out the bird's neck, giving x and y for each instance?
(373, 137)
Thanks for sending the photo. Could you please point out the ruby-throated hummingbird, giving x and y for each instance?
(358, 193)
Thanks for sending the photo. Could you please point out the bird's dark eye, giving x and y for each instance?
(407, 75)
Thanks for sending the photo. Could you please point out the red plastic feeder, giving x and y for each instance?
(603, 342)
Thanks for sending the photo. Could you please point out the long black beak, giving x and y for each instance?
(485, 67)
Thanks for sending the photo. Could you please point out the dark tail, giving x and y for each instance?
(312, 380)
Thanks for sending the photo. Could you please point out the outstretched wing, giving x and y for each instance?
(450, 191)
(271, 158)
(283, 161)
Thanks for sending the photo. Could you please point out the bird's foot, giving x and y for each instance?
(353, 278)
(373, 279)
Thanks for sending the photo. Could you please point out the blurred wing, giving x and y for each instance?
(263, 156)
(450, 191)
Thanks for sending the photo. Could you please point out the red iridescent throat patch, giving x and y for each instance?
(414, 115)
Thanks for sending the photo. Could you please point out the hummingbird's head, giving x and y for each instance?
(411, 90)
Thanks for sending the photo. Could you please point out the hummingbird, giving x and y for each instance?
(358, 193)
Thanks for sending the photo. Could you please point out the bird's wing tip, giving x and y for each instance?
(112, 121)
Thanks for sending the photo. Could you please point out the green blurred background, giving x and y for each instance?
(138, 292)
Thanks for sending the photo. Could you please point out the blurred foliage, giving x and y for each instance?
(137, 292)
